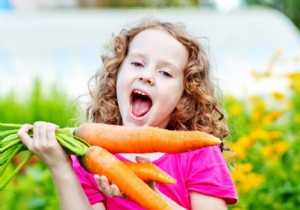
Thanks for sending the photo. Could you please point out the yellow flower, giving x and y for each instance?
(259, 107)
(295, 81)
(245, 168)
(258, 134)
(245, 179)
(276, 150)
(274, 115)
(278, 96)
(281, 147)
(294, 76)
(274, 134)
(239, 151)
(296, 86)
(253, 181)
(236, 109)
(240, 147)
(268, 152)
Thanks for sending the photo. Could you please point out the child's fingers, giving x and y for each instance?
(39, 133)
(104, 185)
(23, 135)
(44, 133)
(115, 191)
(50, 133)
(111, 190)
(43, 139)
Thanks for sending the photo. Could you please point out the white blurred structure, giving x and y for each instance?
(65, 46)
(223, 5)
(31, 5)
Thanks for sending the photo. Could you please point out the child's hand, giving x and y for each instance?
(113, 190)
(44, 144)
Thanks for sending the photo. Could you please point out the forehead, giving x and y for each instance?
(152, 35)
(157, 39)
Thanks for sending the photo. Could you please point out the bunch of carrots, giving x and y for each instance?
(95, 143)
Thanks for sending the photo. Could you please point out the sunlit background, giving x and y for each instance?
(49, 50)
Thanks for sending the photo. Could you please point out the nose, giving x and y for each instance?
(147, 76)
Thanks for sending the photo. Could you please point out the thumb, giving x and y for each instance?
(140, 159)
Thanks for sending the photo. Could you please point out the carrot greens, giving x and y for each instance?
(11, 145)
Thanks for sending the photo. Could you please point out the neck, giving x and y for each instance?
(151, 156)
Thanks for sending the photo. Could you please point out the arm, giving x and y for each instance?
(45, 146)
(201, 201)
(99, 206)
(69, 190)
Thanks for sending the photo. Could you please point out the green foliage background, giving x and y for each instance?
(33, 188)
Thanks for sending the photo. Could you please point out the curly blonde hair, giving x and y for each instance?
(198, 108)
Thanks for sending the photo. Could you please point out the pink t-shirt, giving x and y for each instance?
(203, 170)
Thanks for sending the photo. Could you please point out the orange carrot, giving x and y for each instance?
(150, 172)
(99, 161)
(121, 139)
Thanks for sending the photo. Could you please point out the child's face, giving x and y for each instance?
(150, 80)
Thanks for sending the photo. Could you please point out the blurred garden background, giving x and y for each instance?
(49, 49)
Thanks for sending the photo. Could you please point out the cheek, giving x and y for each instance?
(119, 87)
(121, 79)
(170, 101)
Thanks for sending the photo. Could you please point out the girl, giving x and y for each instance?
(154, 74)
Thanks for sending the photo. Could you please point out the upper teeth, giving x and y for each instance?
(139, 92)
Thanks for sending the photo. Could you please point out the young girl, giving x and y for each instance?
(154, 74)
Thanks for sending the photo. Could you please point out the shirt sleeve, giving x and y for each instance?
(87, 182)
(207, 173)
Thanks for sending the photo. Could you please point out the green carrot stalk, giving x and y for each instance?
(10, 157)
(71, 145)
(9, 126)
(6, 133)
(9, 138)
(9, 144)
(14, 173)
(7, 153)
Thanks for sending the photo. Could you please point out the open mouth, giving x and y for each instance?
(141, 103)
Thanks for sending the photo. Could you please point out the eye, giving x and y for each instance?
(137, 64)
(166, 74)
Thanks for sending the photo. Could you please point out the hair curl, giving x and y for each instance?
(198, 108)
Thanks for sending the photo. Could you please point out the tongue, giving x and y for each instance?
(141, 107)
